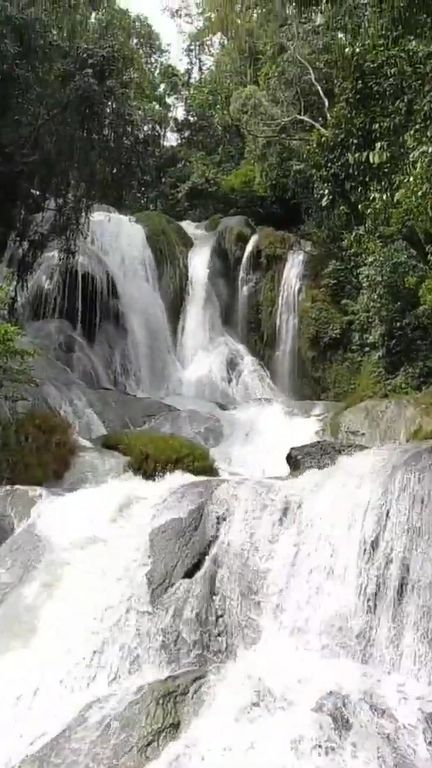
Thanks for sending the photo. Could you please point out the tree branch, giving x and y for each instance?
(316, 84)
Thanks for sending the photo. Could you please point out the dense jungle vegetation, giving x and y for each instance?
(313, 117)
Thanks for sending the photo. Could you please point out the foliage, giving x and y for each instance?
(14, 356)
(87, 96)
(152, 454)
(36, 448)
(331, 108)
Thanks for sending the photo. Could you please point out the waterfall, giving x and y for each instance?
(315, 599)
(118, 328)
(244, 287)
(286, 357)
(215, 366)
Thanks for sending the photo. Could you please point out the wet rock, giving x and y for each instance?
(126, 735)
(203, 428)
(318, 455)
(337, 706)
(19, 556)
(232, 237)
(180, 545)
(377, 422)
(92, 466)
(16, 504)
(119, 410)
(427, 730)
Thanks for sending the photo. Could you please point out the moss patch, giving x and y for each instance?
(170, 245)
(152, 455)
(213, 222)
(36, 448)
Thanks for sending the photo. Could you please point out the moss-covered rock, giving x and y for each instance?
(232, 236)
(379, 421)
(213, 222)
(267, 265)
(170, 245)
(152, 454)
(36, 448)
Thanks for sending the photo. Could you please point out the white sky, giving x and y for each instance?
(166, 27)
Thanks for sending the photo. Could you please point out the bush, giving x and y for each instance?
(36, 448)
(152, 455)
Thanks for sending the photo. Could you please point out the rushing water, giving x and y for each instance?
(215, 365)
(307, 601)
(244, 288)
(285, 363)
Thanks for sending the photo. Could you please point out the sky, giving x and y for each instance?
(161, 22)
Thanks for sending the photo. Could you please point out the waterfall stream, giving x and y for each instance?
(297, 610)
(285, 362)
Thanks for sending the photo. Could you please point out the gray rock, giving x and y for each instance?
(377, 422)
(91, 411)
(90, 467)
(204, 428)
(232, 236)
(337, 706)
(16, 504)
(318, 455)
(19, 556)
(180, 544)
(126, 735)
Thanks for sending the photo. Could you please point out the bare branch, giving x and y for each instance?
(316, 84)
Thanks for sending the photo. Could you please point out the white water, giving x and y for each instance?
(123, 246)
(285, 362)
(215, 365)
(244, 288)
(316, 632)
(143, 360)
(329, 576)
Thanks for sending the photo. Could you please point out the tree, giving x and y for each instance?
(86, 94)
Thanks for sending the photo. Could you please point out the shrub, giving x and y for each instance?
(36, 448)
(152, 454)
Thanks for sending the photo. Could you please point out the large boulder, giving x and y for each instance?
(152, 454)
(377, 422)
(126, 735)
(16, 504)
(204, 428)
(181, 543)
(170, 245)
(318, 455)
(232, 236)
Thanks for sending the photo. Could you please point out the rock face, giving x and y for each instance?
(232, 236)
(318, 455)
(180, 545)
(132, 734)
(170, 245)
(377, 422)
(16, 504)
(204, 428)
(92, 411)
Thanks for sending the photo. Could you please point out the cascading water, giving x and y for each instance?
(244, 287)
(304, 603)
(285, 362)
(216, 367)
(115, 270)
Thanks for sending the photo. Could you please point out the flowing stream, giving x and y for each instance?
(285, 363)
(306, 603)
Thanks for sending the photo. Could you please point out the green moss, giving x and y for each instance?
(419, 434)
(273, 246)
(152, 454)
(170, 245)
(213, 222)
(35, 449)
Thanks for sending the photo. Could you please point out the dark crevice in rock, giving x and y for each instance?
(197, 566)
